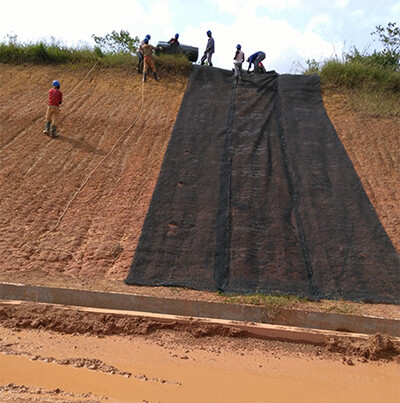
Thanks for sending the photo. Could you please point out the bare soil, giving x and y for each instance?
(373, 145)
(58, 354)
(72, 208)
(66, 209)
(71, 211)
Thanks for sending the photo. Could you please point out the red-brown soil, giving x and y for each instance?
(373, 145)
(58, 354)
(72, 208)
(41, 178)
(71, 211)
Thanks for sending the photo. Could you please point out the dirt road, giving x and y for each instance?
(94, 357)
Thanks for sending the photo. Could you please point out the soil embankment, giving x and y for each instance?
(76, 204)
(51, 355)
(100, 224)
(97, 226)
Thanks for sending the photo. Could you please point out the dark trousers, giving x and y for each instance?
(207, 56)
(140, 62)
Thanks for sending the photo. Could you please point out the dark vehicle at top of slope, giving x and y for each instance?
(190, 52)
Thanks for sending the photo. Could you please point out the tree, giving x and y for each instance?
(115, 42)
(389, 37)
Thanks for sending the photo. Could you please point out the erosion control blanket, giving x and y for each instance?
(257, 194)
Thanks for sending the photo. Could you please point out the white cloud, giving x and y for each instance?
(396, 11)
(237, 21)
(240, 8)
(342, 4)
(319, 23)
(281, 42)
(77, 20)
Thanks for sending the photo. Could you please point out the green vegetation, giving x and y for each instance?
(115, 42)
(372, 81)
(42, 53)
(113, 50)
(273, 303)
(343, 308)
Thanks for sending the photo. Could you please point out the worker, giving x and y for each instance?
(210, 49)
(53, 110)
(140, 54)
(147, 51)
(237, 62)
(174, 41)
(256, 59)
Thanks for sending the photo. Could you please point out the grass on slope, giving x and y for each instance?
(42, 53)
(372, 89)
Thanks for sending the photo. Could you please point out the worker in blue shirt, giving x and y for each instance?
(255, 59)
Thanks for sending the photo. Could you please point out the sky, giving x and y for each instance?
(290, 32)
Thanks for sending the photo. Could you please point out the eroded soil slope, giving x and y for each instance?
(76, 204)
(373, 145)
(71, 209)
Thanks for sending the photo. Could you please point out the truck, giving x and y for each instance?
(190, 52)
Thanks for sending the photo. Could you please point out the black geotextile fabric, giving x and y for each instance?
(257, 195)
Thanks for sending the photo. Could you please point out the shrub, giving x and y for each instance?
(115, 42)
(174, 64)
(358, 75)
(42, 53)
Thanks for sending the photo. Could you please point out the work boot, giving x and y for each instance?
(144, 77)
(155, 76)
(53, 132)
(47, 129)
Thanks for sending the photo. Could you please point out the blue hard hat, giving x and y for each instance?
(56, 83)
(148, 37)
(146, 41)
(208, 32)
(176, 36)
(238, 46)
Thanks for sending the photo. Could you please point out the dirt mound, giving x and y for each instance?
(23, 393)
(377, 347)
(43, 317)
(75, 322)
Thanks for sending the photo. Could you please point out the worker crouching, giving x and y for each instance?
(147, 51)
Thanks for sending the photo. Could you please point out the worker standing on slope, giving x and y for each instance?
(147, 50)
(140, 54)
(210, 49)
(256, 59)
(237, 62)
(53, 109)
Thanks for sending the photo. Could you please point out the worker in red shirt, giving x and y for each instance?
(53, 109)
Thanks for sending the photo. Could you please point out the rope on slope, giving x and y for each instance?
(95, 169)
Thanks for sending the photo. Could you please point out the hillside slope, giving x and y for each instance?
(41, 179)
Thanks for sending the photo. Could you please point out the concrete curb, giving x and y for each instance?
(201, 309)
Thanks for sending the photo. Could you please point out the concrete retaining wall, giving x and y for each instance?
(201, 309)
